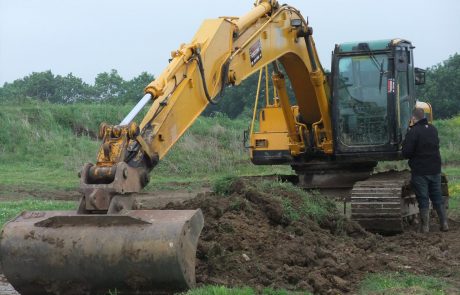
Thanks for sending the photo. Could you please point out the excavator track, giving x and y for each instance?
(384, 202)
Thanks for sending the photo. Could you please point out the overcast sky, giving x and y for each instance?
(87, 37)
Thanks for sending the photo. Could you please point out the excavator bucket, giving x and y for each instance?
(136, 252)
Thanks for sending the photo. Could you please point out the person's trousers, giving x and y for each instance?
(426, 188)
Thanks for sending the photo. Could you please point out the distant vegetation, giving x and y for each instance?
(47, 87)
(449, 135)
(111, 88)
(442, 89)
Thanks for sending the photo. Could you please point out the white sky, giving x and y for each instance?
(87, 37)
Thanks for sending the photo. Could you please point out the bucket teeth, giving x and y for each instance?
(137, 252)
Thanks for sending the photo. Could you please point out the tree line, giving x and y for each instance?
(442, 90)
(45, 86)
(110, 87)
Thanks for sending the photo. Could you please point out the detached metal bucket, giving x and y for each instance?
(139, 252)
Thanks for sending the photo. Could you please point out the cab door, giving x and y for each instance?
(405, 98)
(361, 105)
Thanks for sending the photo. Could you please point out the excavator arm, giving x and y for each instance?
(224, 51)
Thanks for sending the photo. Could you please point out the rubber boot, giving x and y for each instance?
(425, 220)
(441, 210)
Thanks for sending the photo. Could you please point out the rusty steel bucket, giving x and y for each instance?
(138, 252)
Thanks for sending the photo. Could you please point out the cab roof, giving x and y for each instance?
(373, 45)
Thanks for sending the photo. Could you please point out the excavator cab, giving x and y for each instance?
(373, 94)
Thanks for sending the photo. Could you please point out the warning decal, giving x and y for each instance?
(255, 52)
(391, 85)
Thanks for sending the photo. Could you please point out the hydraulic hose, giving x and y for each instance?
(311, 55)
(203, 79)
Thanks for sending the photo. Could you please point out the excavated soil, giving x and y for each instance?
(248, 241)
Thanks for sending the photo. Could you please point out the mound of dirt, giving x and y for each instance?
(248, 240)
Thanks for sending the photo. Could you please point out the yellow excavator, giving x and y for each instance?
(332, 130)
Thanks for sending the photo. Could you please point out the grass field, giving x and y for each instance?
(393, 283)
(449, 135)
(43, 146)
(453, 174)
(220, 290)
(12, 208)
(400, 283)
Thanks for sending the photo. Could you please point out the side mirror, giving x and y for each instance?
(402, 60)
(419, 76)
(328, 78)
(296, 23)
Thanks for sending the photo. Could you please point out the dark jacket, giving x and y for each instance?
(421, 147)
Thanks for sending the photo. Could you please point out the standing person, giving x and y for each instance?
(421, 147)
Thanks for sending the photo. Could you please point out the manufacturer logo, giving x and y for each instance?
(255, 52)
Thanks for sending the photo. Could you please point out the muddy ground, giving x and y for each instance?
(249, 241)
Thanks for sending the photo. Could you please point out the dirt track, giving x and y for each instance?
(247, 241)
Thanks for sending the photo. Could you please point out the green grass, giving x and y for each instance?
(453, 176)
(39, 147)
(10, 209)
(42, 147)
(403, 283)
(222, 185)
(449, 135)
(307, 203)
(312, 204)
(212, 148)
(221, 290)
(296, 203)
